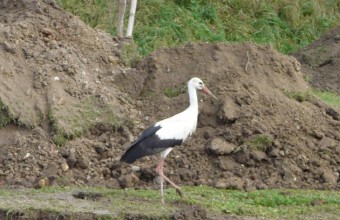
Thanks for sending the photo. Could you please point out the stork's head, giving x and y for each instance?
(198, 84)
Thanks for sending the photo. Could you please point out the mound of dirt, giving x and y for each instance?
(61, 79)
(264, 131)
(57, 78)
(55, 68)
(321, 61)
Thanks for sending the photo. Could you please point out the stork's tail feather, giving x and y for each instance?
(128, 157)
(132, 154)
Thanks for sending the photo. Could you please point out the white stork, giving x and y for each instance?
(164, 135)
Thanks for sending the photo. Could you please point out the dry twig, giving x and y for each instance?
(246, 67)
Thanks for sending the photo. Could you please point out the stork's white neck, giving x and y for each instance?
(193, 96)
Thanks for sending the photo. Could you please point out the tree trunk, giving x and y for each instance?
(120, 26)
(131, 18)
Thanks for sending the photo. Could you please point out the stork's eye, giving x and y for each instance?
(201, 83)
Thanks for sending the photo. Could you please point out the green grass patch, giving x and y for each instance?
(117, 204)
(129, 54)
(175, 91)
(299, 96)
(73, 121)
(5, 117)
(331, 98)
(284, 24)
(96, 13)
(266, 203)
(256, 142)
(260, 142)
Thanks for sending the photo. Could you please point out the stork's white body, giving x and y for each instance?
(178, 127)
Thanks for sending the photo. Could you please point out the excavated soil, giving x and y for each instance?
(264, 131)
(321, 61)
(255, 136)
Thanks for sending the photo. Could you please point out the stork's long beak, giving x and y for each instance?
(207, 91)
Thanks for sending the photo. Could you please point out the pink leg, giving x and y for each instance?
(159, 170)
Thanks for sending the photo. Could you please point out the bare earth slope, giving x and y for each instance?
(52, 65)
(61, 79)
(56, 82)
(321, 61)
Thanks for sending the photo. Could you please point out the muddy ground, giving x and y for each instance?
(63, 83)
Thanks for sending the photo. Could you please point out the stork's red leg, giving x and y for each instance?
(159, 170)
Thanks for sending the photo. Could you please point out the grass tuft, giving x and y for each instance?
(129, 54)
(259, 142)
(5, 117)
(299, 96)
(174, 92)
(328, 97)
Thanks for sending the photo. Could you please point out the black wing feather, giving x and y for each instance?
(148, 143)
(150, 131)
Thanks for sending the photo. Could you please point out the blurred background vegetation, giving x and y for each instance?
(287, 25)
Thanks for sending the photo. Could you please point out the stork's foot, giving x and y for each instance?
(180, 193)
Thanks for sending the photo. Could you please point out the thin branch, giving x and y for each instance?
(120, 25)
(246, 67)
